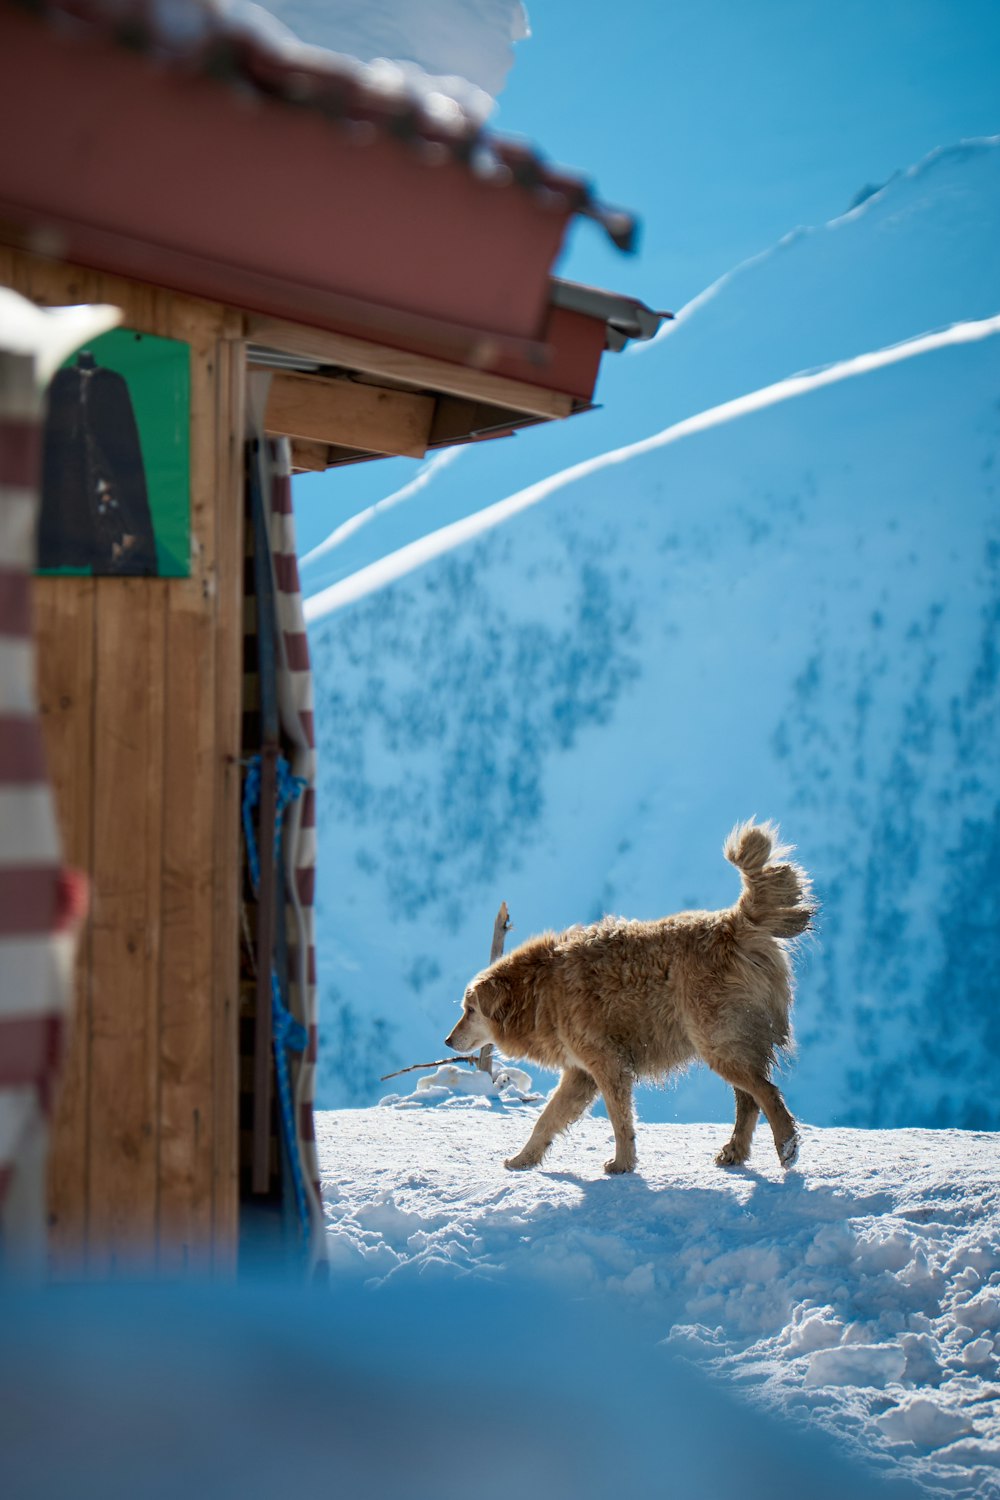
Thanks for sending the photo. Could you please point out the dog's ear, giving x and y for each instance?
(492, 996)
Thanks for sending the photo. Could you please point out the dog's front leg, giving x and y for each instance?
(574, 1092)
(616, 1086)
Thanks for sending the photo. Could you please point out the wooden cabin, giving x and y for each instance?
(329, 266)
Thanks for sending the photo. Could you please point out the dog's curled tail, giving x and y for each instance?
(777, 895)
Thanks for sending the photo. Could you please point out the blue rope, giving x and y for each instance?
(287, 1032)
(289, 787)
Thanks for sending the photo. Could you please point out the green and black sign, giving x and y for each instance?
(115, 460)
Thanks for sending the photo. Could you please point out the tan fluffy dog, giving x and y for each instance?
(624, 1000)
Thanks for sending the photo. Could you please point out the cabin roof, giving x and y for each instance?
(362, 100)
(174, 124)
(165, 143)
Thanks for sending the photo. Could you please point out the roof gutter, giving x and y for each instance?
(626, 319)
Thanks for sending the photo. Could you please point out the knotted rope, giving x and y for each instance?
(287, 1032)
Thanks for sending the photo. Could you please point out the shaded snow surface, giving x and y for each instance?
(859, 1292)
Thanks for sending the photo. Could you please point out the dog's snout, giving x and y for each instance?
(469, 1031)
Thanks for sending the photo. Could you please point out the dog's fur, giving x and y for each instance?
(624, 1000)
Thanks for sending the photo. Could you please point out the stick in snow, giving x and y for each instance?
(442, 1062)
(484, 1058)
(500, 929)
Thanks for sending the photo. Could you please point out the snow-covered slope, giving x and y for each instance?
(859, 1293)
(919, 254)
(794, 614)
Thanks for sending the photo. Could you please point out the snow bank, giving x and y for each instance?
(923, 1422)
(860, 1292)
(456, 1081)
(857, 1364)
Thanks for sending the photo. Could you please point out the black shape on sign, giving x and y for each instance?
(95, 508)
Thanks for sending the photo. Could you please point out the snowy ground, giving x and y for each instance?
(860, 1291)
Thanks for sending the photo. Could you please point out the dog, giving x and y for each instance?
(623, 1000)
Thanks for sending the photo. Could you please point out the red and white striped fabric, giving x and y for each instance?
(295, 704)
(32, 991)
(36, 896)
(41, 903)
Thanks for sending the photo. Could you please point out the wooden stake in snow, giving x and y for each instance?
(501, 927)
(484, 1058)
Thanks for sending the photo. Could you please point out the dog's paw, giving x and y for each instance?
(520, 1163)
(731, 1156)
(788, 1153)
(614, 1166)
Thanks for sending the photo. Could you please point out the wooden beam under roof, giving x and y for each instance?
(309, 458)
(346, 413)
(457, 420)
(418, 370)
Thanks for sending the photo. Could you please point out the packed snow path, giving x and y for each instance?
(860, 1290)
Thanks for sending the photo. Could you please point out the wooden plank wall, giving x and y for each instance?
(139, 687)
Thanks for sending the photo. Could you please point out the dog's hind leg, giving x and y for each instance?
(574, 1092)
(736, 1150)
(766, 1097)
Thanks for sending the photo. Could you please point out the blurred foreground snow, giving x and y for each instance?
(414, 1391)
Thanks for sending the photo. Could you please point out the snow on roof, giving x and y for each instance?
(460, 48)
(252, 51)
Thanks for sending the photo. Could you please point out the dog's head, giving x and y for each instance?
(480, 1006)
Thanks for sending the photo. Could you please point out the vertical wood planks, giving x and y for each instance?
(126, 925)
(229, 424)
(186, 1163)
(140, 683)
(64, 621)
(65, 611)
(126, 922)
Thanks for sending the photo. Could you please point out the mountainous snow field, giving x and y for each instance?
(555, 672)
(706, 601)
(859, 1292)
